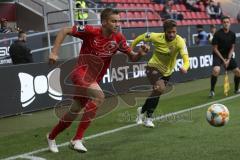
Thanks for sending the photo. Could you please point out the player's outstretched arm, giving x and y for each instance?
(134, 56)
(185, 57)
(186, 64)
(53, 56)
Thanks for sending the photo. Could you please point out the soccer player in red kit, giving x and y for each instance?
(99, 45)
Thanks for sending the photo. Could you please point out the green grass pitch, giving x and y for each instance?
(185, 136)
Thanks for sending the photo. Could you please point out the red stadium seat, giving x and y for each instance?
(213, 21)
(141, 24)
(199, 21)
(179, 23)
(194, 15)
(144, 5)
(186, 22)
(187, 15)
(204, 21)
(132, 5)
(182, 8)
(218, 21)
(119, 5)
(154, 23)
(151, 6)
(143, 14)
(130, 15)
(150, 15)
(194, 22)
(174, 7)
(209, 21)
(123, 15)
(133, 24)
(137, 14)
(158, 7)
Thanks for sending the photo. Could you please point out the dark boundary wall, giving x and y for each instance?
(122, 76)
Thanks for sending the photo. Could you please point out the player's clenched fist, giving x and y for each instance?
(52, 58)
(145, 48)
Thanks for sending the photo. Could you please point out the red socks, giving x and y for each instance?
(89, 113)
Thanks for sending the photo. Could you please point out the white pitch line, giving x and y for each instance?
(124, 127)
(32, 157)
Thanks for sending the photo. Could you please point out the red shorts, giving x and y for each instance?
(82, 80)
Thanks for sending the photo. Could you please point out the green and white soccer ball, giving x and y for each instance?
(217, 115)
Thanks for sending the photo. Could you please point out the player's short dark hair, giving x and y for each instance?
(106, 13)
(225, 17)
(20, 33)
(168, 24)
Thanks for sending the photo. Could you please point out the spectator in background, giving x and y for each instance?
(211, 10)
(204, 2)
(168, 13)
(19, 52)
(238, 16)
(211, 34)
(218, 10)
(81, 14)
(4, 26)
(190, 4)
(202, 38)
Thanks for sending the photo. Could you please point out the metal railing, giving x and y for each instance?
(49, 47)
(71, 11)
(33, 4)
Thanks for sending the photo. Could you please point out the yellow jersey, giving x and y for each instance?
(165, 53)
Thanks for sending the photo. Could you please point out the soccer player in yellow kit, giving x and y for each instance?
(167, 46)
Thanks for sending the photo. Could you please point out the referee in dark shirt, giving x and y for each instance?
(19, 52)
(223, 47)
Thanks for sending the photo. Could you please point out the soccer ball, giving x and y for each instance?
(217, 115)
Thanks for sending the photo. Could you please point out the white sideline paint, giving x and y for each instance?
(32, 157)
(29, 154)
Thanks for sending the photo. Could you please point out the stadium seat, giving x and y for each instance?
(179, 23)
(218, 21)
(194, 15)
(199, 21)
(209, 21)
(130, 15)
(213, 21)
(141, 24)
(190, 17)
(133, 24)
(154, 23)
(182, 8)
(119, 5)
(187, 15)
(150, 15)
(204, 21)
(186, 22)
(158, 7)
(194, 22)
(132, 5)
(151, 6)
(123, 15)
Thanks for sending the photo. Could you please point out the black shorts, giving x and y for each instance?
(154, 75)
(218, 62)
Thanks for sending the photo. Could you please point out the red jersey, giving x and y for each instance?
(96, 51)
